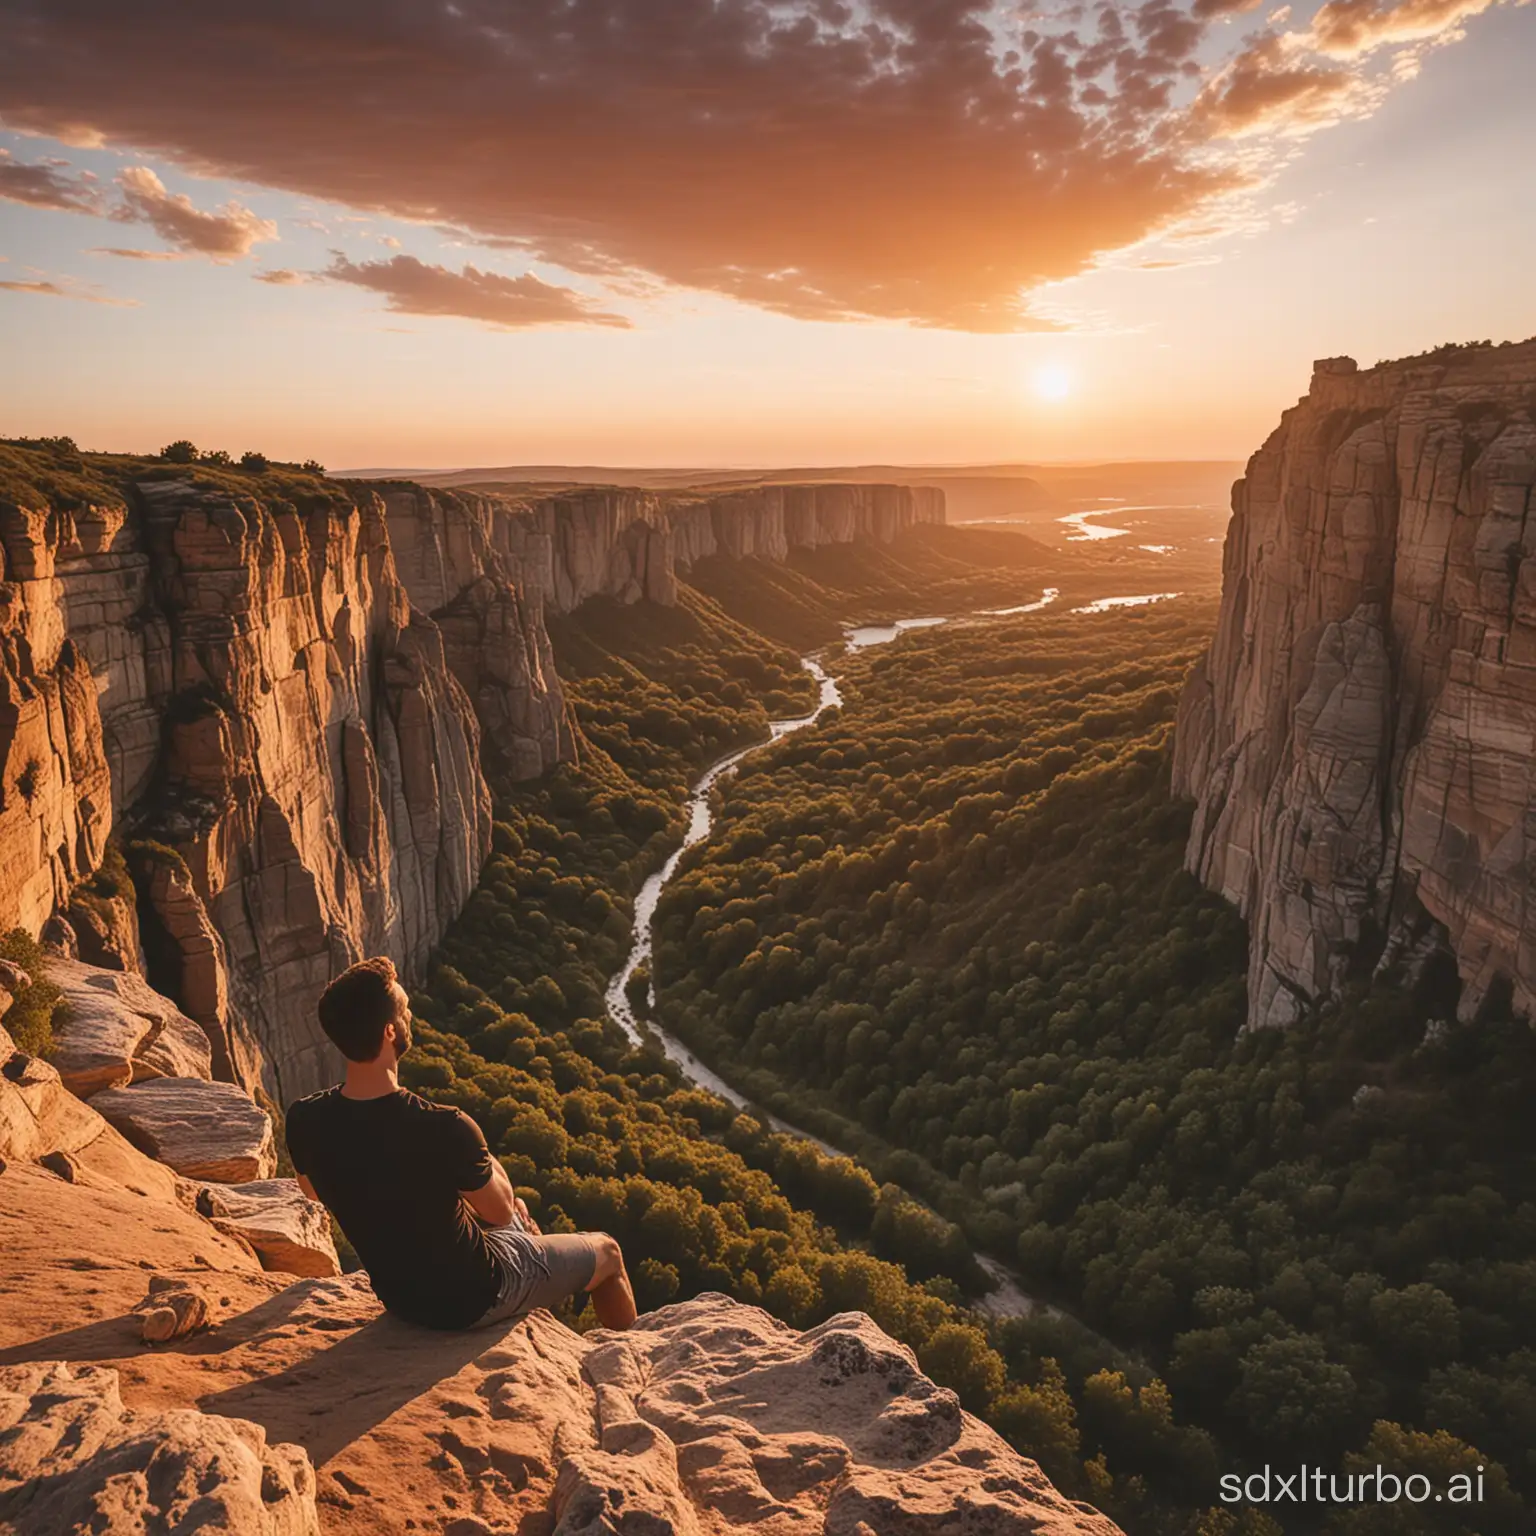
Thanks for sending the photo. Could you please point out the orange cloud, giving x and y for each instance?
(127, 253)
(45, 184)
(47, 288)
(928, 161)
(1346, 28)
(1266, 89)
(225, 234)
(415, 287)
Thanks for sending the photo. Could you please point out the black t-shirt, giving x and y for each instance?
(391, 1170)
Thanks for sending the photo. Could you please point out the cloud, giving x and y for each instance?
(1210, 8)
(415, 287)
(49, 289)
(280, 277)
(225, 234)
(1347, 28)
(128, 253)
(929, 161)
(45, 184)
(1268, 89)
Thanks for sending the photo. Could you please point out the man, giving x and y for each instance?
(430, 1212)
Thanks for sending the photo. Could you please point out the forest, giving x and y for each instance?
(596, 1133)
(949, 930)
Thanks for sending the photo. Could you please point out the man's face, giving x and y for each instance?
(402, 1021)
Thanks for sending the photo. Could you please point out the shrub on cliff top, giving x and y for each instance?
(29, 1019)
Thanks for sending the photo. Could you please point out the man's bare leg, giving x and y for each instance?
(613, 1299)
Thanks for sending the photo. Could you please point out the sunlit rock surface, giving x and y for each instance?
(1359, 740)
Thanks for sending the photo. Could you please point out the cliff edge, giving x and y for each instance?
(1359, 739)
(162, 1369)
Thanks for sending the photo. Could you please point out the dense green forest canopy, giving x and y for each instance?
(596, 1133)
(950, 929)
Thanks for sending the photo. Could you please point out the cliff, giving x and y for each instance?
(161, 1368)
(283, 694)
(1359, 740)
(237, 680)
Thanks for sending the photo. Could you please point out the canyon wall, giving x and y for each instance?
(1359, 740)
(241, 686)
(284, 695)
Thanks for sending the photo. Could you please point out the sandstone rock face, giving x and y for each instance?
(112, 1028)
(293, 633)
(247, 685)
(40, 1118)
(455, 555)
(1361, 738)
(289, 1232)
(202, 1130)
(73, 1458)
(710, 1409)
(709, 1416)
(280, 706)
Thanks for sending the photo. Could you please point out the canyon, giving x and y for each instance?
(249, 735)
(1359, 739)
(282, 697)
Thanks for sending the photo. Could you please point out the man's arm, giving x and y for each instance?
(494, 1203)
(306, 1186)
(477, 1176)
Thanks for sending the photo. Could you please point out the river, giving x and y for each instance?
(1009, 1299)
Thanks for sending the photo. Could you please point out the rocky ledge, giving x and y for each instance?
(318, 1413)
(162, 1370)
(1361, 740)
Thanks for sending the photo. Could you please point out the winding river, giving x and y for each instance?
(1009, 1299)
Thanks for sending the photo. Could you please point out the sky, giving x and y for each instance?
(743, 232)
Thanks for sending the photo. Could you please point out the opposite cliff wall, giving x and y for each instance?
(1359, 740)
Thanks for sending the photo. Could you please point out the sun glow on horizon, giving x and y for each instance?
(1052, 382)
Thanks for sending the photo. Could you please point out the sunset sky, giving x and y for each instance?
(710, 232)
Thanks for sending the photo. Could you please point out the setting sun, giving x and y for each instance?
(1052, 382)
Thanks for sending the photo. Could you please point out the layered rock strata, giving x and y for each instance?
(202, 1130)
(1361, 739)
(112, 1029)
(242, 685)
(277, 696)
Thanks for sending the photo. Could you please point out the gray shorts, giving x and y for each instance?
(538, 1270)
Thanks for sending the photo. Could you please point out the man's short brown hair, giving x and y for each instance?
(359, 1006)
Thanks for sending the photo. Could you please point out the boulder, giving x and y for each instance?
(203, 1130)
(113, 1028)
(290, 1232)
(174, 1307)
(73, 1458)
(40, 1118)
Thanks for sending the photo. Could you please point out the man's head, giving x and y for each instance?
(366, 1012)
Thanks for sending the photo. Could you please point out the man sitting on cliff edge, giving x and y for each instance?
(407, 1180)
